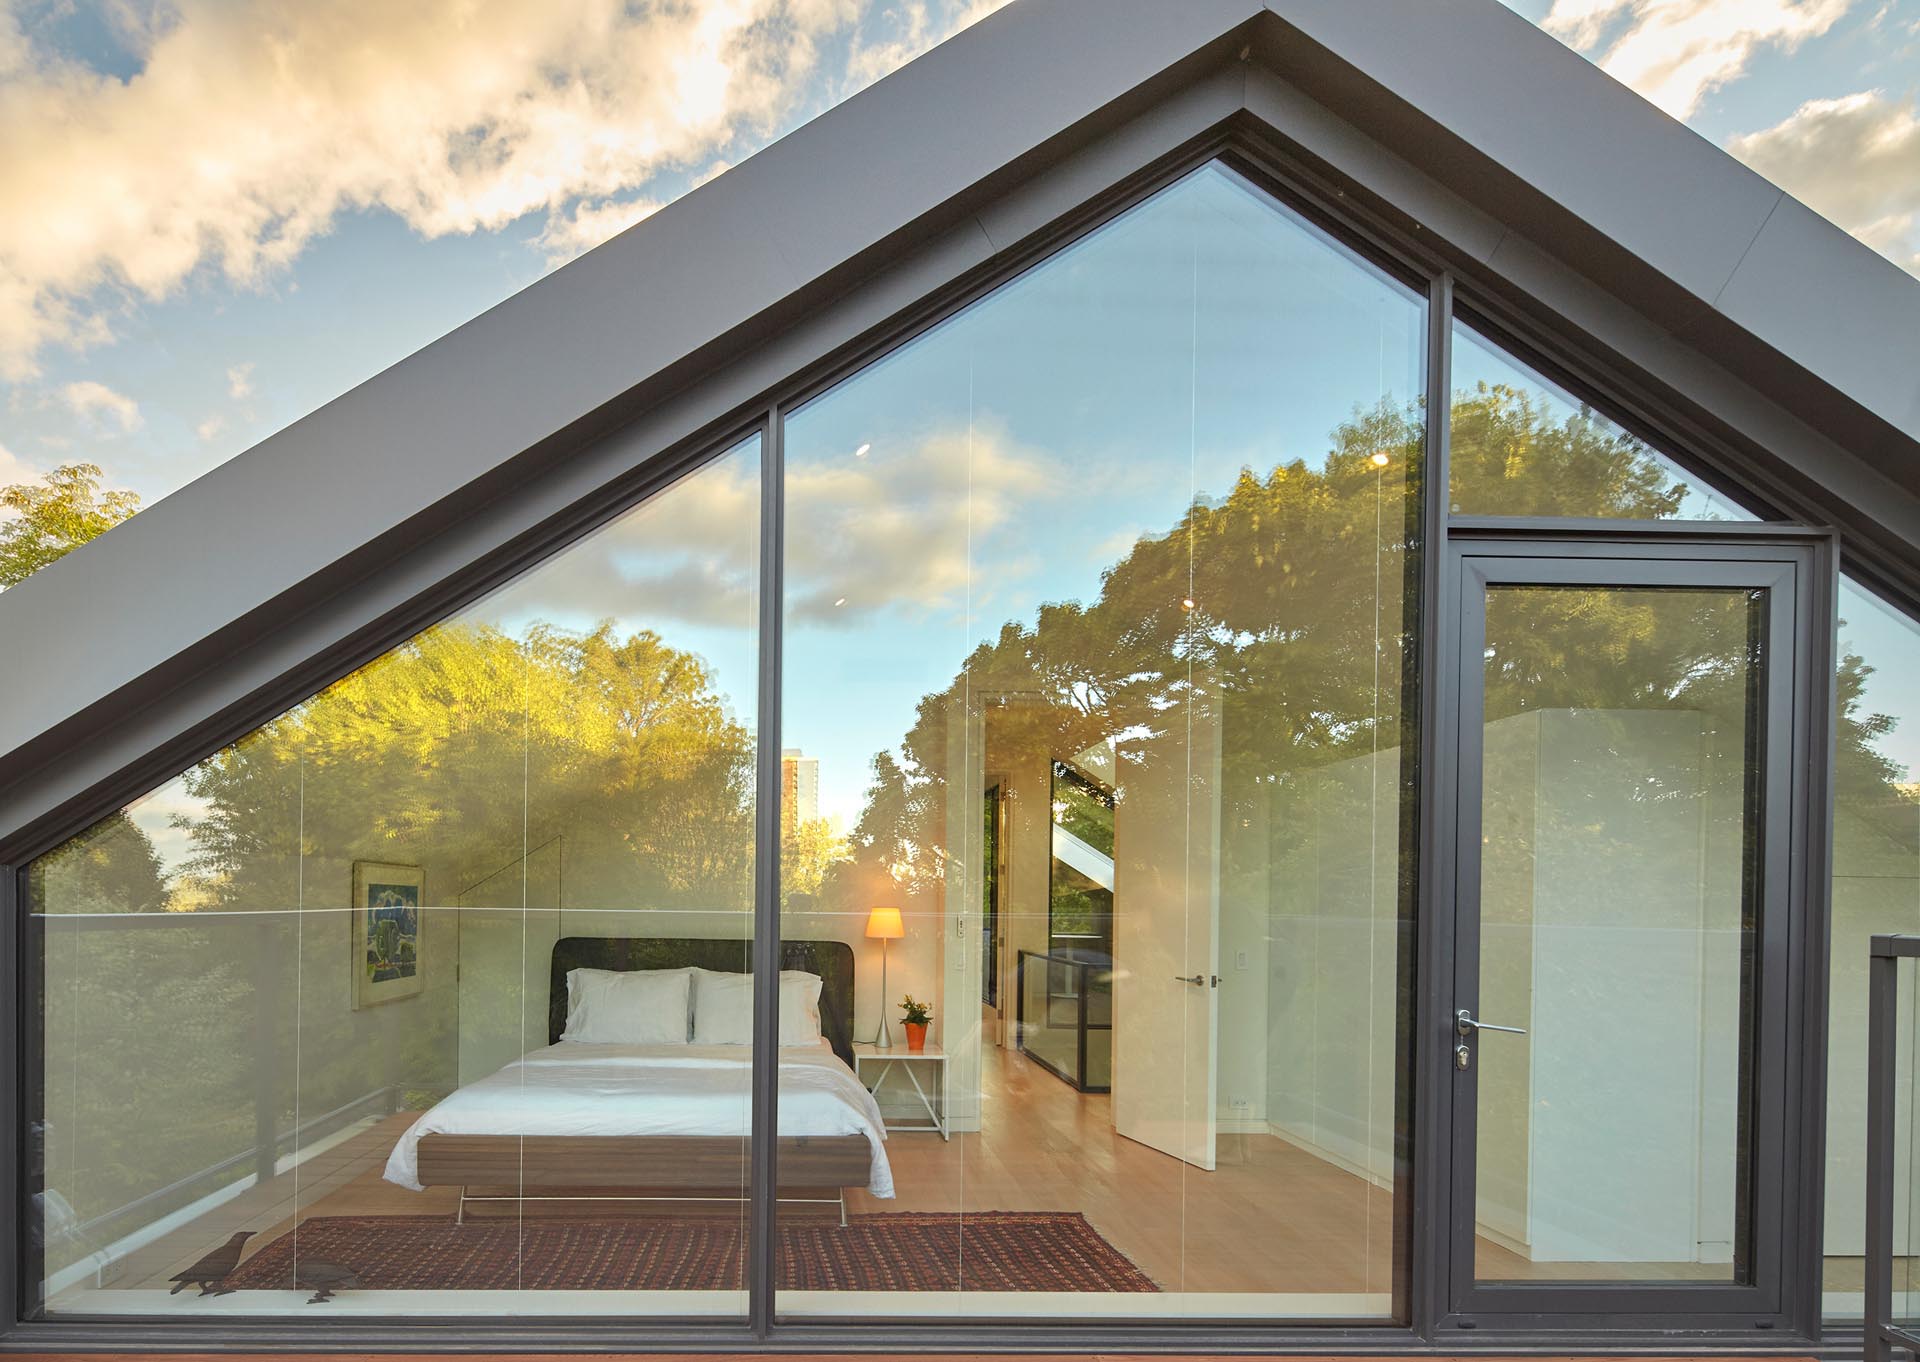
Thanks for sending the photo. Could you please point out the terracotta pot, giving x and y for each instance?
(916, 1035)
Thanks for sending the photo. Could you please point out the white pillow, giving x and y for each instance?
(630, 1007)
(723, 1008)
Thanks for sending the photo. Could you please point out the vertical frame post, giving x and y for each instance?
(20, 1274)
(763, 1182)
(1882, 1001)
(1422, 1089)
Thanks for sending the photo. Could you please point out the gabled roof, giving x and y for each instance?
(1555, 180)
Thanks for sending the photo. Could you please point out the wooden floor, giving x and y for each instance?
(1271, 1218)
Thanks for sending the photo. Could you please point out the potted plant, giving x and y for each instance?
(918, 1015)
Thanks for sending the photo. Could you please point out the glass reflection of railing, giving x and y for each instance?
(1064, 1016)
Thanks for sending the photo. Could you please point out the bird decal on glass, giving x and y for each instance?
(323, 1278)
(211, 1272)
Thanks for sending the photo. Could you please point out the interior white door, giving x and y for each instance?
(1166, 953)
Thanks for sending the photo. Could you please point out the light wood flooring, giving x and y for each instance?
(1271, 1218)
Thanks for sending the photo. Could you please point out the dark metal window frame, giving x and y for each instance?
(1795, 568)
(1884, 1331)
(1319, 195)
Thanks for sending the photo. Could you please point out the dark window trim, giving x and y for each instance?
(1315, 194)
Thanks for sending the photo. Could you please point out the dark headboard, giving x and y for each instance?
(831, 960)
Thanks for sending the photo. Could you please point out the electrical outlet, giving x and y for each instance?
(1240, 1104)
(1240, 959)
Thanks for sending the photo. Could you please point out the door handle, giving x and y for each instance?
(1197, 980)
(1464, 1023)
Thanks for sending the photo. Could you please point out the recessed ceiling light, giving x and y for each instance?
(1186, 603)
(1380, 459)
(861, 452)
(841, 601)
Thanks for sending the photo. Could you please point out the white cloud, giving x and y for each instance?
(97, 402)
(569, 234)
(915, 28)
(252, 124)
(1677, 52)
(211, 427)
(240, 381)
(1856, 160)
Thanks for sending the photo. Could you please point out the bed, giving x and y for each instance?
(645, 1122)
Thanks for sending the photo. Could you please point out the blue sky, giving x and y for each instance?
(216, 215)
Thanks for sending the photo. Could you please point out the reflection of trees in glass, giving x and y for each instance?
(1077, 905)
(1298, 578)
(1281, 572)
(454, 751)
(148, 1024)
(1511, 455)
(445, 744)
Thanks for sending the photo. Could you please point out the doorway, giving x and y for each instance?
(1634, 726)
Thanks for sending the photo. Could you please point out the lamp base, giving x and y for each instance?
(884, 1041)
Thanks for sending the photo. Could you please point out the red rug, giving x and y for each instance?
(903, 1251)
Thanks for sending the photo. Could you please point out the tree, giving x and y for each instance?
(55, 517)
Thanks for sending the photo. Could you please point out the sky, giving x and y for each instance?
(216, 215)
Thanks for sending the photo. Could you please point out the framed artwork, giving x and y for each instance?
(386, 933)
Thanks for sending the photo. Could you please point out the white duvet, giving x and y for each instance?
(588, 1089)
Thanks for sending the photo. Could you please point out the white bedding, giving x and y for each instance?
(587, 1089)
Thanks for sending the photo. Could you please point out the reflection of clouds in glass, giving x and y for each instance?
(891, 532)
(157, 816)
(687, 556)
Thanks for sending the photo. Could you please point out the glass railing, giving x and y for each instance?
(1064, 1020)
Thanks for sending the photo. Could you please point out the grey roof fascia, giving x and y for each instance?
(354, 479)
(1626, 195)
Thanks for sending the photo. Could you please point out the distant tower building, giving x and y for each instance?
(799, 791)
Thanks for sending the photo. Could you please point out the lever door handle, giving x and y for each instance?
(1198, 980)
(1464, 1023)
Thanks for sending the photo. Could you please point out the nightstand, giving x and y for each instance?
(872, 1066)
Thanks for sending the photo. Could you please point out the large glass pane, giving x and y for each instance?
(1618, 909)
(391, 1006)
(1876, 889)
(1522, 445)
(1125, 542)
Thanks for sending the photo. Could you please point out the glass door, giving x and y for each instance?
(1616, 1036)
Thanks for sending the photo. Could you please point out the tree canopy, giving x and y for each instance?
(53, 518)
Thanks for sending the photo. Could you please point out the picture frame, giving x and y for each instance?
(387, 961)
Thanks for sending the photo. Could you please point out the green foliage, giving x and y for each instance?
(53, 518)
(917, 1013)
(1510, 457)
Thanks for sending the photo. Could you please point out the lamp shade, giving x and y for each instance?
(885, 924)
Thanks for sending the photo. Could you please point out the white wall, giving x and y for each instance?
(1610, 929)
(1332, 991)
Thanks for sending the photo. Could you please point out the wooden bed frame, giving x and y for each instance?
(660, 1167)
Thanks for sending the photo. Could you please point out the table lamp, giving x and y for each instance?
(884, 925)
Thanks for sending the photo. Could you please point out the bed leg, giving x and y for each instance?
(460, 1215)
(843, 1208)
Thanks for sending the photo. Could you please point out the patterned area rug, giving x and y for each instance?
(905, 1251)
